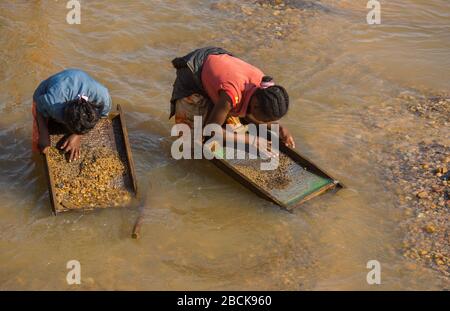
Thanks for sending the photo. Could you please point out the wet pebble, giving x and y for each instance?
(422, 195)
(430, 228)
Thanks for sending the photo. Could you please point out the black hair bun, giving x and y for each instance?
(273, 101)
(267, 79)
(80, 115)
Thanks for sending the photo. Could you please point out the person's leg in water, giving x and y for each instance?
(35, 136)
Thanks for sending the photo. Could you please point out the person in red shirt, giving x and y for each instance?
(211, 82)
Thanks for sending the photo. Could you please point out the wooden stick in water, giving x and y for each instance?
(136, 234)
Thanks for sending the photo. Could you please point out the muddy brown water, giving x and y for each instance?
(202, 230)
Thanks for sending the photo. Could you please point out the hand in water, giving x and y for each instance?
(286, 137)
(72, 145)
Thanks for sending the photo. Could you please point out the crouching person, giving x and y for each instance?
(74, 100)
(223, 89)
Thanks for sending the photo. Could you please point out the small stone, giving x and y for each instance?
(430, 228)
(422, 195)
(437, 188)
(441, 170)
(411, 266)
(247, 10)
(423, 252)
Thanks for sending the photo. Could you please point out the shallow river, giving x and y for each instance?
(201, 229)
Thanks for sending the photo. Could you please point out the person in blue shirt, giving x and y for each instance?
(73, 99)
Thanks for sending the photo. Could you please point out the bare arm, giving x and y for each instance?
(220, 110)
(72, 143)
(219, 115)
(285, 136)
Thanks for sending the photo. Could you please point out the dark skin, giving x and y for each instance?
(256, 116)
(72, 144)
(221, 110)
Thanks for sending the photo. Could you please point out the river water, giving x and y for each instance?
(201, 229)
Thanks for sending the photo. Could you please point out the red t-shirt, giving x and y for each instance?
(238, 79)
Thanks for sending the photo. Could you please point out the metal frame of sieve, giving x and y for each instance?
(302, 161)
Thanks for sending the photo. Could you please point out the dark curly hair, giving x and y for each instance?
(80, 116)
(273, 100)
